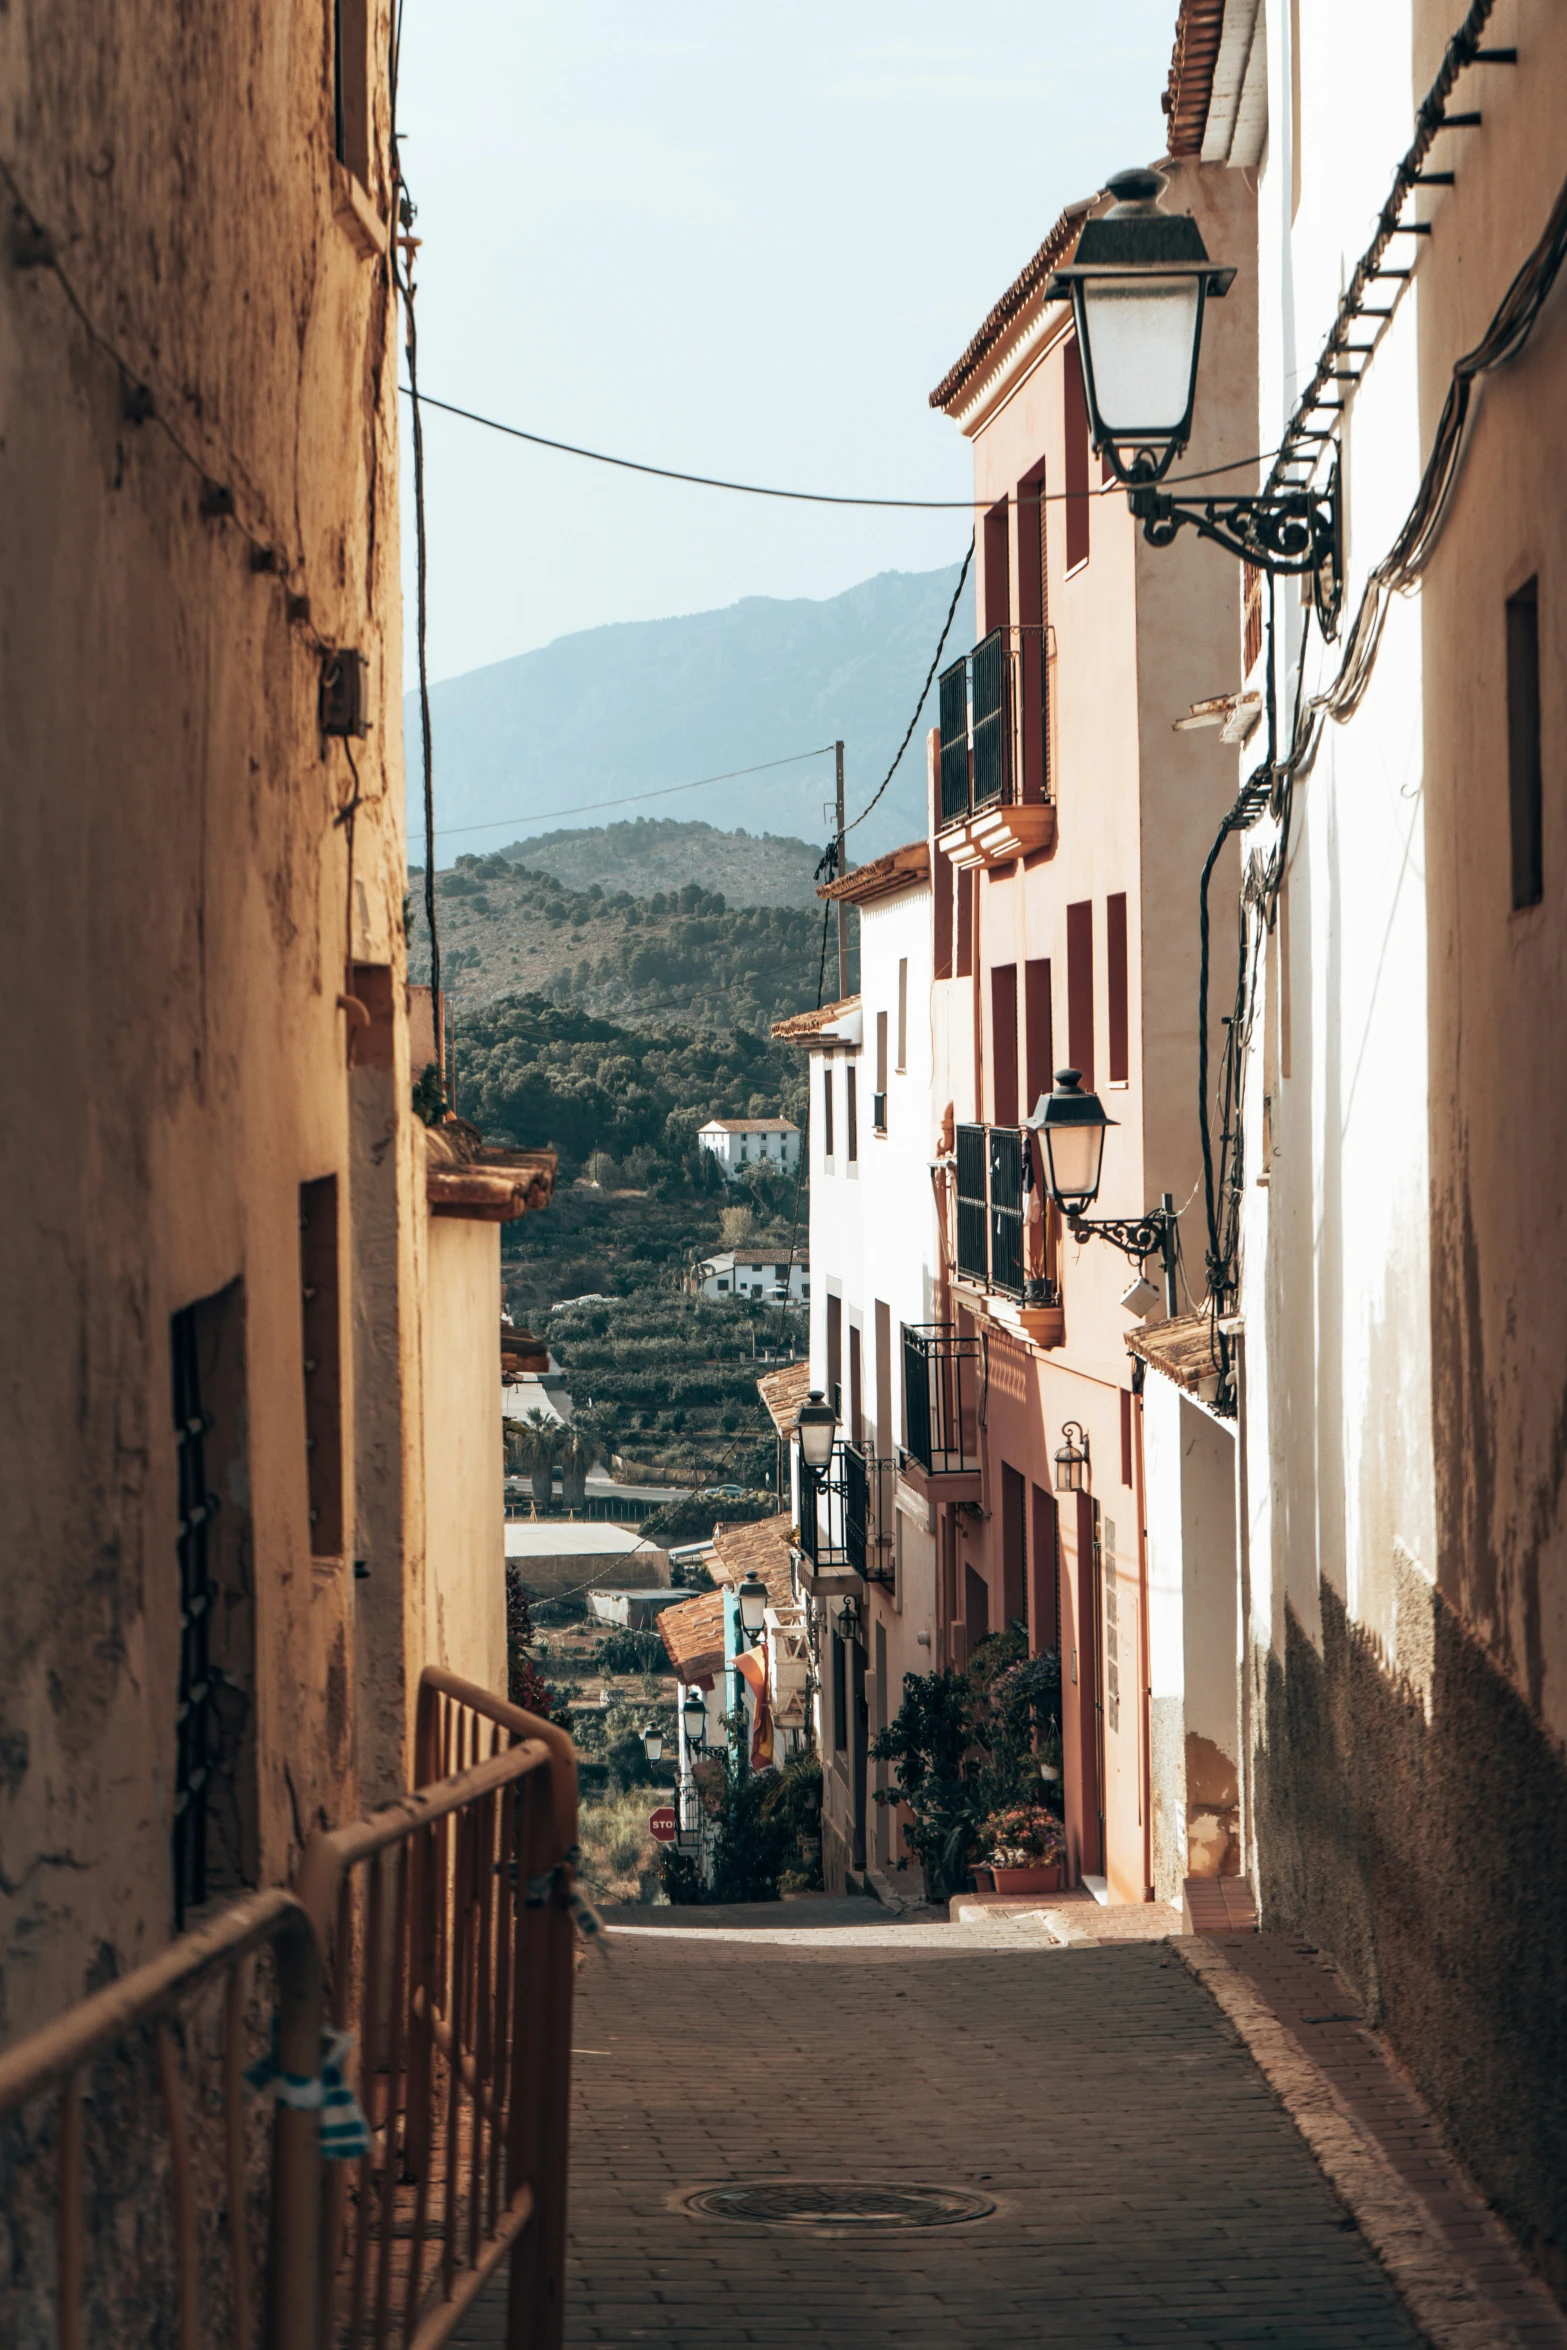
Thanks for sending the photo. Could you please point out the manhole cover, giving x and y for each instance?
(797, 2203)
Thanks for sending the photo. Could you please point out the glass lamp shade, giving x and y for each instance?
(1139, 338)
(816, 1425)
(1072, 1125)
(1071, 1460)
(1138, 280)
(752, 1596)
(694, 1714)
(653, 1743)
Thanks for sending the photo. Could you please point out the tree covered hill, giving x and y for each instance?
(532, 1071)
(685, 958)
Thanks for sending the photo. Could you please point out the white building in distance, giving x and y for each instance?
(753, 1272)
(738, 1143)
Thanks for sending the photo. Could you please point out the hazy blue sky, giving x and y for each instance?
(742, 240)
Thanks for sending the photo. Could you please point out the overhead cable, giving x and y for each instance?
(754, 489)
(946, 630)
(628, 799)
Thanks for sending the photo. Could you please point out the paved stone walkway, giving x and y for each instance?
(1149, 2189)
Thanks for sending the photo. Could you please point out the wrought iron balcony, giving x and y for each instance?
(941, 1375)
(868, 1515)
(994, 724)
(990, 1212)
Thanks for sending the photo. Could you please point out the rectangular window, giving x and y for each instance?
(880, 1118)
(827, 1109)
(1044, 1579)
(835, 1354)
(1003, 1044)
(963, 875)
(1116, 989)
(1126, 1436)
(323, 1364)
(1039, 1025)
(852, 1105)
(1075, 423)
(1525, 781)
(1080, 990)
(351, 86)
(1031, 612)
(1014, 1547)
(884, 1439)
(997, 580)
(216, 1832)
(856, 1397)
(976, 1607)
(903, 1012)
(941, 893)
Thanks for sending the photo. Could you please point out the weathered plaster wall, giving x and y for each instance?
(173, 925)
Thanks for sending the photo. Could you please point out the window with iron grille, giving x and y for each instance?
(972, 1254)
(940, 1392)
(992, 729)
(215, 1837)
(856, 1507)
(1006, 1209)
(952, 692)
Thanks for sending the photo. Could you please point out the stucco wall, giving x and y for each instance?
(464, 1473)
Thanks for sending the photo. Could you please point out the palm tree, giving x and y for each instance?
(582, 1443)
(538, 1441)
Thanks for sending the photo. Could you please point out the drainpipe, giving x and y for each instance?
(1144, 1659)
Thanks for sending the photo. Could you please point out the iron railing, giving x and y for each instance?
(941, 1375)
(823, 1530)
(987, 704)
(972, 1254)
(439, 1934)
(867, 1516)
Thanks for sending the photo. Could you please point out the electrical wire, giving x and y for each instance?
(756, 489)
(946, 629)
(404, 209)
(628, 799)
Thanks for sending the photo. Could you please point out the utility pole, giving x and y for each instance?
(843, 908)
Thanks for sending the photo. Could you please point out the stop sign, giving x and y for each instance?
(662, 1824)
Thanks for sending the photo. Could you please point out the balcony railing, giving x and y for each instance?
(1005, 1154)
(941, 1375)
(992, 715)
(823, 1527)
(438, 1933)
(973, 1258)
(868, 1515)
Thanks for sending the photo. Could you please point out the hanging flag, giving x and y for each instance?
(751, 1665)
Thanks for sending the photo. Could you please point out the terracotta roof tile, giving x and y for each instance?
(783, 1392)
(1199, 27)
(1181, 1348)
(693, 1634)
(762, 1544)
(899, 869)
(801, 1024)
(1052, 253)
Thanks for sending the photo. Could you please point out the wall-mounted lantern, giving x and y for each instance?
(1072, 1458)
(752, 1596)
(653, 1742)
(1072, 1125)
(1139, 282)
(694, 1715)
(816, 1425)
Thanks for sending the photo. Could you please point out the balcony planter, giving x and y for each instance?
(1038, 1880)
(984, 1877)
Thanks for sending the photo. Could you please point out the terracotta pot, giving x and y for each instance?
(1034, 1880)
(984, 1877)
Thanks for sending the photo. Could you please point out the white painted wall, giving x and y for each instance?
(734, 1152)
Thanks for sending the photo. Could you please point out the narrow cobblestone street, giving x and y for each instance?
(1147, 2186)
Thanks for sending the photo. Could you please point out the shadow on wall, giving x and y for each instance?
(1415, 1831)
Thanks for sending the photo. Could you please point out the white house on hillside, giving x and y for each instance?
(752, 1272)
(737, 1143)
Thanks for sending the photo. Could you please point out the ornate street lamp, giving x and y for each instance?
(1072, 1459)
(848, 1618)
(694, 1715)
(816, 1425)
(1139, 282)
(752, 1596)
(1072, 1125)
(653, 1742)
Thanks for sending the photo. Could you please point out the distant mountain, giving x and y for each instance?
(644, 704)
(658, 853)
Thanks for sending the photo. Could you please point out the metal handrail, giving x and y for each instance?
(446, 1920)
(60, 2052)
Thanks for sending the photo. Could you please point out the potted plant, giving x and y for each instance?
(1026, 1845)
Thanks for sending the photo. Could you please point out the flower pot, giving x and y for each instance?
(1035, 1880)
(984, 1877)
